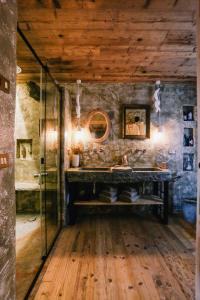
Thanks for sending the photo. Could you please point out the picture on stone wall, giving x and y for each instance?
(136, 121)
(188, 138)
(188, 113)
(188, 161)
(24, 149)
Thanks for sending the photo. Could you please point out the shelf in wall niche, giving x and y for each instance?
(143, 200)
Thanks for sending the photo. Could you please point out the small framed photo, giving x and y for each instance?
(136, 122)
(188, 162)
(188, 113)
(188, 138)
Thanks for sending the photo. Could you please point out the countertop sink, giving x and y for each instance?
(143, 169)
(95, 168)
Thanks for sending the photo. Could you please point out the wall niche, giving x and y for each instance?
(24, 149)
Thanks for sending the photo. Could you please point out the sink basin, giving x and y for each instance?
(147, 169)
(96, 168)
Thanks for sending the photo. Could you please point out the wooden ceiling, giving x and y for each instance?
(111, 40)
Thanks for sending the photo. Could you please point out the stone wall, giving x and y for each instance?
(110, 97)
(8, 18)
(27, 118)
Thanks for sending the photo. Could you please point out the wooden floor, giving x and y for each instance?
(119, 258)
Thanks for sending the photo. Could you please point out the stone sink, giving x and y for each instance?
(120, 169)
(147, 169)
(96, 168)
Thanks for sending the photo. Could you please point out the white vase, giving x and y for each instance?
(75, 160)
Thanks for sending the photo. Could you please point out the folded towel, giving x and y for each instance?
(129, 194)
(128, 199)
(130, 189)
(108, 199)
(111, 189)
(108, 194)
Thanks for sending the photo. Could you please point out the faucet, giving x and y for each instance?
(124, 160)
(139, 153)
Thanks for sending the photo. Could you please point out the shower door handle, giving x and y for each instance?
(36, 175)
(44, 174)
(40, 174)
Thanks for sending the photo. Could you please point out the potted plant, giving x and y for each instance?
(76, 151)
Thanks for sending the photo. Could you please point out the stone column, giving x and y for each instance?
(8, 20)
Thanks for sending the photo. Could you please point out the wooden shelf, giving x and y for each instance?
(144, 200)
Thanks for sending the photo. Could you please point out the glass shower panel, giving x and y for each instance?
(27, 170)
(52, 162)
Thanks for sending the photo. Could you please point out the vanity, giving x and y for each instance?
(85, 185)
(99, 184)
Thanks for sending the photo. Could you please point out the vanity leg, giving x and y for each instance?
(156, 209)
(72, 213)
(71, 206)
(166, 202)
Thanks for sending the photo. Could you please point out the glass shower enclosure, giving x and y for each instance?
(37, 166)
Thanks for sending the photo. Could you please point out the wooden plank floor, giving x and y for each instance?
(111, 258)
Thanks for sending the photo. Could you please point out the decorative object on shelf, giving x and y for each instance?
(76, 151)
(75, 160)
(136, 121)
(188, 113)
(98, 125)
(188, 162)
(108, 194)
(24, 149)
(129, 194)
(188, 138)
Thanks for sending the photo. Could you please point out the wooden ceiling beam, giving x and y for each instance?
(112, 39)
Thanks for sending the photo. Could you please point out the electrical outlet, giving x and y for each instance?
(4, 160)
(4, 84)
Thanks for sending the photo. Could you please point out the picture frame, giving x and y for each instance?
(188, 162)
(188, 113)
(136, 121)
(188, 137)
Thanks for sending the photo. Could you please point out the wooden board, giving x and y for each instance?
(118, 258)
(110, 41)
(140, 201)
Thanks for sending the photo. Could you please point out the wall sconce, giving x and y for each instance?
(158, 136)
(18, 69)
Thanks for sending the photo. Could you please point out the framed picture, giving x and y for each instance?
(188, 138)
(188, 113)
(136, 122)
(188, 162)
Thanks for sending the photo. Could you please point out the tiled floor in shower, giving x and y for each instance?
(28, 251)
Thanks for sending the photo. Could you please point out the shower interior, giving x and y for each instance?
(37, 167)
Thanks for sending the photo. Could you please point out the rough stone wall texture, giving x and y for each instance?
(8, 18)
(27, 118)
(110, 97)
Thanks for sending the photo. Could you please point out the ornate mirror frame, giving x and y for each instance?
(106, 116)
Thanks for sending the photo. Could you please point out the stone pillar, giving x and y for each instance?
(197, 289)
(8, 22)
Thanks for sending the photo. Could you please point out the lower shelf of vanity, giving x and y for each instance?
(143, 200)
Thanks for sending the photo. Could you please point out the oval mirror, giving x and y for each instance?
(98, 125)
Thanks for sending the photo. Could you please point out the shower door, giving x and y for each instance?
(50, 162)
